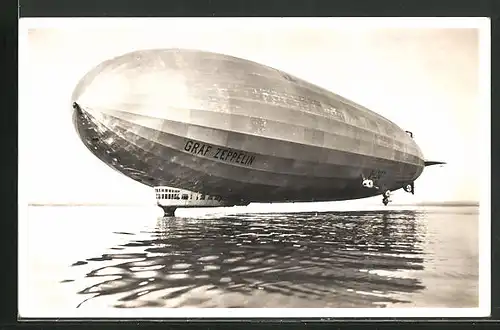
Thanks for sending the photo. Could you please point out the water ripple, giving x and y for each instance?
(325, 259)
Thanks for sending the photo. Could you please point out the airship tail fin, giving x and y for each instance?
(430, 163)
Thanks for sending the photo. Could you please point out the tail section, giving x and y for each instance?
(430, 163)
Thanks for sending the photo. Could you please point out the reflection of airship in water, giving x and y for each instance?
(195, 125)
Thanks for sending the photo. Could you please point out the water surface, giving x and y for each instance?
(127, 257)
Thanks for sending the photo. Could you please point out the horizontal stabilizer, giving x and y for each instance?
(430, 163)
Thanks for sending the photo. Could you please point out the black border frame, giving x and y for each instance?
(214, 8)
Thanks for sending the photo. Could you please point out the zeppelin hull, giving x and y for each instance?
(172, 161)
(219, 125)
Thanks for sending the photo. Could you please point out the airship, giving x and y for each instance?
(208, 129)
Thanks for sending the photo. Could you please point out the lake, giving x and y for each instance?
(79, 258)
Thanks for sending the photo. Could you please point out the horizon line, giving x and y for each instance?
(429, 203)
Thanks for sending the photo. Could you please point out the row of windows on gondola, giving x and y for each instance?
(166, 190)
(186, 197)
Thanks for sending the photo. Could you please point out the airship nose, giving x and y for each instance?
(77, 109)
(111, 148)
(84, 126)
(95, 136)
(80, 117)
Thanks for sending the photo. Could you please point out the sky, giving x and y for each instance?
(426, 80)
